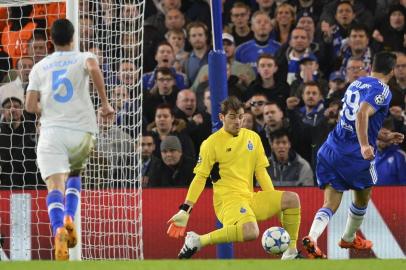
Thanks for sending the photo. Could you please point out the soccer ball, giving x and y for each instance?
(275, 240)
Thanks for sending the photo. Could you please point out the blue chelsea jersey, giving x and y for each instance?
(343, 139)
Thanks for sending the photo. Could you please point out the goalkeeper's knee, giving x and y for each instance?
(290, 200)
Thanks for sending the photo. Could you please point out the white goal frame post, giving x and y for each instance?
(126, 207)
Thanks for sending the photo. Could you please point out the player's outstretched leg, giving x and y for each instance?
(61, 245)
(72, 195)
(355, 217)
(191, 246)
(320, 222)
(312, 249)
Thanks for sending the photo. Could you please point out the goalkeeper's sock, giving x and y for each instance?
(55, 209)
(320, 222)
(72, 194)
(354, 220)
(291, 223)
(227, 234)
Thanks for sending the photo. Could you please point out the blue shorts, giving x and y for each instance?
(343, 172)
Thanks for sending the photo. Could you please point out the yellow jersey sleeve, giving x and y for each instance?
(207, 158)
(262, 160)
(264, 179)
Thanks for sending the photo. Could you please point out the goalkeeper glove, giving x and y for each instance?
(179, 221)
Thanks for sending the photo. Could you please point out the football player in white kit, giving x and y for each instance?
(58, 91)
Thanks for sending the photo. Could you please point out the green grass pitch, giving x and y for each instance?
(362, 264)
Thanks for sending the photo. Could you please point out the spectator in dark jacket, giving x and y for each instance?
(287, 168)
(175, 169)
(389, 35)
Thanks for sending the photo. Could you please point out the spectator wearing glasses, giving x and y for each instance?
(164, 91)
(240, 27)
(355, 68)
(256, 104)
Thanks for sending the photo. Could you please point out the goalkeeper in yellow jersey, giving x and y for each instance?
(238, 153)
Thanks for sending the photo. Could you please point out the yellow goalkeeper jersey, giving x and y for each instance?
(237, 156)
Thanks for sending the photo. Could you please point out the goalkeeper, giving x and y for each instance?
(238, 153)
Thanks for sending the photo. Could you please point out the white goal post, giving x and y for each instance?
(109, 217)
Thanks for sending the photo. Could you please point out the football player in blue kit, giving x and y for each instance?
(346, 160)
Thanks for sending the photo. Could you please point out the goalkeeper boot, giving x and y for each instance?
(61, 244)
(312, 249)
(359, 243)
(70, 227)
(191, 246)
(292, 254)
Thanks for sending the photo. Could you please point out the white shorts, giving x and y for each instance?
(62, 150)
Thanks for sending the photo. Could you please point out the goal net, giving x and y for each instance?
(111, 205)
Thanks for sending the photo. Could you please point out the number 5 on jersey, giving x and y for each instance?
(59, 79)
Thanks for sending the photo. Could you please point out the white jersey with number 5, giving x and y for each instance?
(63, 82)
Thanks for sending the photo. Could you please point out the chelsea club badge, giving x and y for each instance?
(250, 145)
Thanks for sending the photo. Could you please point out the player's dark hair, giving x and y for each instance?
(279, 133)
(384, 62)
(231, 104)
(62, 32)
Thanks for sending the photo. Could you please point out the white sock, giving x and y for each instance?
(320, 222)
(354, 221)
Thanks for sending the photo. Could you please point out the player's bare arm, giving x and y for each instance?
(361, 126)
(32, 104)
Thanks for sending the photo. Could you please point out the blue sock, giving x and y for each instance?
(55, 209)
(72, 194)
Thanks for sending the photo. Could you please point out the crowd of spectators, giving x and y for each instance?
(288, 61)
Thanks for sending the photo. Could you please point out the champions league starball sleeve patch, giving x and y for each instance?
(379, 99)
